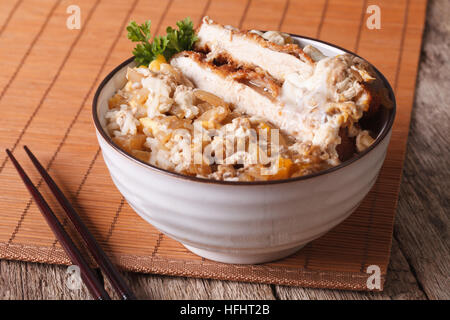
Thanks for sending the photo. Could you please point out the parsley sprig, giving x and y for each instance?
(176, 40)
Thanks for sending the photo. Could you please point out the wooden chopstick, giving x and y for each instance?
(99, 255)
(87, 274)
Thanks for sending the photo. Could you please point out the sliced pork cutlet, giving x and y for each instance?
(251, 50)
(225, 44)
(247, 90)
(312, 110)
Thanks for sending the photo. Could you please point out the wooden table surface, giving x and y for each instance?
(419, 266)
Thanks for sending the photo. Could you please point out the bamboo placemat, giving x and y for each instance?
(48, 78)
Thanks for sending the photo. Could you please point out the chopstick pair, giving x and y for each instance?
(87, 274)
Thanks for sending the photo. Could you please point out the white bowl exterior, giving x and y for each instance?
(240, 223)
(254, 218)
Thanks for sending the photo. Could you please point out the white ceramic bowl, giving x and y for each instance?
(238, 222)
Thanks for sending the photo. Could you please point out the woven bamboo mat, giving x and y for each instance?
(49, 75)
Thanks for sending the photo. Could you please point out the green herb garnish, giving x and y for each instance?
(176, 40)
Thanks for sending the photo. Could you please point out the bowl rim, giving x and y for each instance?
(386, 128)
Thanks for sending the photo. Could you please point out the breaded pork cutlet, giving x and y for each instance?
(312, 110)
(251, 50)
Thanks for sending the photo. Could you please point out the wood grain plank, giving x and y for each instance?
(36, 281)
(400, 285)
(20, 280)
(421, 227)
(157, 287)
(17, 278)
